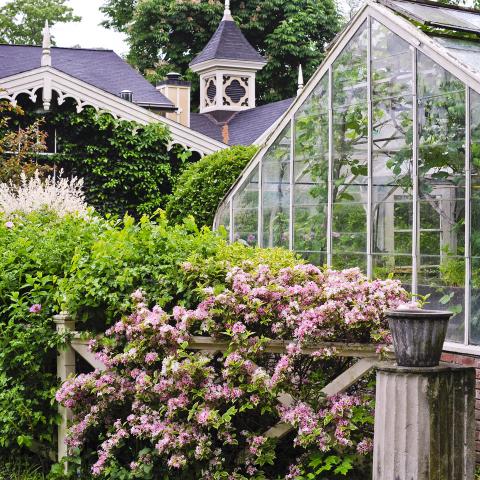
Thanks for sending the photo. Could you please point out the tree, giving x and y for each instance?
(22, 21)
(166, 35)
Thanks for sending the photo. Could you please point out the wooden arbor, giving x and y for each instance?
(367, 356)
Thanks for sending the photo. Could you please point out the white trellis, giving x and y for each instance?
(367, 356)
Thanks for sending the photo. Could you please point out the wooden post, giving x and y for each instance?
(65, 368)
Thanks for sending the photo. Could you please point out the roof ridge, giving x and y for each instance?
(432, 3)
(58, 48)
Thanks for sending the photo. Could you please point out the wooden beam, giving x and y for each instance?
(81, 347)
(336, 386)
(358, 350)
(349, 376)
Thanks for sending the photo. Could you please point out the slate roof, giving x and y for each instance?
(228, 43)
(239, 128)
(103, 69)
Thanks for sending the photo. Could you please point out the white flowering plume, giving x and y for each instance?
(56, 193)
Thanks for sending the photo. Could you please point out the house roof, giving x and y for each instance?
(239, 128)
(228, 43)
(103, 69)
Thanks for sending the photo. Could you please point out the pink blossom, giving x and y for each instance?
(238, 328)
(151, 357)
(35, 308)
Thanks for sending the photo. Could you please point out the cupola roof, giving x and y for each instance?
(228, 43)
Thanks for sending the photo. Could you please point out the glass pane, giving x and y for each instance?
(443, 280)
(309, 233)
(223, 216)
(276, 191)
(349, 229)
(475, 218)
(392, 226)
(310, 193)
(475, 302)
(440, 16)
(392, 158)
(391, 63)
(350, 152)
(398, 266)
(441, 170)
(433, 79)
(350, 71)
(341, 261)
(475, 152)
(467, 51)
(245, 210)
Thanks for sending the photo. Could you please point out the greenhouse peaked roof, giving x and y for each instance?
(437, 15)
(458, 53)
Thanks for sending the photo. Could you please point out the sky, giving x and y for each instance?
(87, 33)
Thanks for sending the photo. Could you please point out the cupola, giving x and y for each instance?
(227, 67)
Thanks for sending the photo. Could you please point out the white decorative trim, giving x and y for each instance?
(52, 80)
(229, 65)
(461, 348)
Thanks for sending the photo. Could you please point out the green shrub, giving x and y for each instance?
(89, 267)
(35, 252)
(24, 468)
(172, 263)
(126, 167)
(202, 185)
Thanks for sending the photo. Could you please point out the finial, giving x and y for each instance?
(227, 14)
(46, 45)
(300, 80)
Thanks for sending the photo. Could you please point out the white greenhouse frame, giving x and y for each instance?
(419, 43)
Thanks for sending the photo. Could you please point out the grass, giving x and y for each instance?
(21, 469)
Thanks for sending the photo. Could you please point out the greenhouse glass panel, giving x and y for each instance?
(392, 157)
(245, 210)
(439, 16)
(310, 184)
(276, 192)
(350, 153)
(441, 171)
(223, 216)
(378, 167)
(475, 218)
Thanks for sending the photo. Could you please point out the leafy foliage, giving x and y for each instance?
(21, 469)
(91, 266)
(125, 166)
(36, 251)
(20, 146)
(150, 254)
(161, 411)
(166, 35)
(22, 21)
(202, 185)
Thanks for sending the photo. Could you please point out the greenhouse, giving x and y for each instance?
(376, 163)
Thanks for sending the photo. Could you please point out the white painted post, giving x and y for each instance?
(65, 368)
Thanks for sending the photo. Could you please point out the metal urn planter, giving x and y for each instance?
(418, 336)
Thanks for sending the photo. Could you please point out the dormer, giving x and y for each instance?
(227, 67)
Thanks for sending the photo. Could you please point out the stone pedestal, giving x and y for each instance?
(424, 423)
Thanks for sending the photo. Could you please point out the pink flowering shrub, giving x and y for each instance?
(162, 411)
